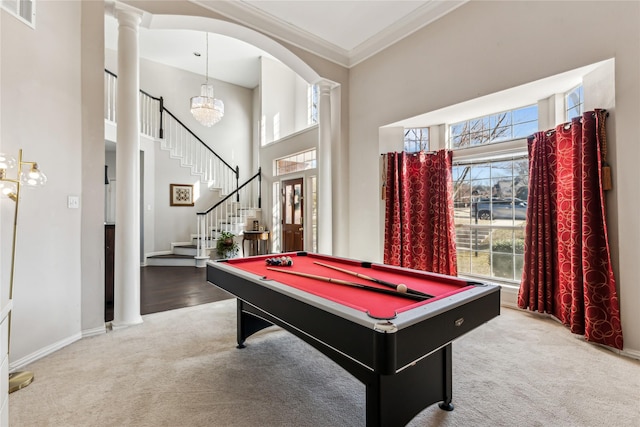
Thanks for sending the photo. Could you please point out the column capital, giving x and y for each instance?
(125, 14)
(325, 86)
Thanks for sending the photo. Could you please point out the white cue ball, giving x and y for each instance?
(401, 288)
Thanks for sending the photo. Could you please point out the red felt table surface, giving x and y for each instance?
(377, 305)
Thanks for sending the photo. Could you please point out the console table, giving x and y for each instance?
(255, 239)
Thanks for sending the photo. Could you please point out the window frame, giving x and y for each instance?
(480, 131)
(18, 11)
(511, 149)
(415, 145)
(580, 105)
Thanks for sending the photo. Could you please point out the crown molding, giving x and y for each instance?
(252, 17)
(420, 18)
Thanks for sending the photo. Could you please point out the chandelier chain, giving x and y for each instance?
(207, 64)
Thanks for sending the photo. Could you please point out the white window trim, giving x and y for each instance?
(18, 5)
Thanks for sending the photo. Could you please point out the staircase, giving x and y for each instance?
(240, 204)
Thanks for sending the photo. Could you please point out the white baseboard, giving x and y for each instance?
(94, 331)
(45, 351)
(633, 354)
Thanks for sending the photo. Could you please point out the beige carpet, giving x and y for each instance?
(181, 368)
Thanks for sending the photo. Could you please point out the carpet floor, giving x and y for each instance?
(181, 368)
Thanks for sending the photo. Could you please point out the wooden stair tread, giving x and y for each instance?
(171, 256)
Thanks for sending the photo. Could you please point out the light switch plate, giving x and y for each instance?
(73, 202)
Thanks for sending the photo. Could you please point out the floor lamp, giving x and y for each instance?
(30, 177)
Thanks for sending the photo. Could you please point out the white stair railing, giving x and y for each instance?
(159, 123)
(195, 154)
(150, 107)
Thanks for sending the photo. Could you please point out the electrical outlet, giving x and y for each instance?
(73, 202)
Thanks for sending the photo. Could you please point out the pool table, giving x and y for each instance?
(400, 348)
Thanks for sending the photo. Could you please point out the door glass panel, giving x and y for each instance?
(297, 205)
(288, 197)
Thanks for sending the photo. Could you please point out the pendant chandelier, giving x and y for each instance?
(206, 108)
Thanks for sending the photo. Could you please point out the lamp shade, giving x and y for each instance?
(7, 162)
(33, 178)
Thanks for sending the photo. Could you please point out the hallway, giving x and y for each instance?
(168, 288)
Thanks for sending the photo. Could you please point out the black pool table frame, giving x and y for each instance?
(405, 363)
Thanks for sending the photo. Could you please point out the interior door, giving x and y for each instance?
(292, 215)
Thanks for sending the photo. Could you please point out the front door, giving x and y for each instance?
(292, 215)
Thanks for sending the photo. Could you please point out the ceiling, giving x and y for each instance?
(345, 32)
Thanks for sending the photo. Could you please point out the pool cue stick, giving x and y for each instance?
(352, 284)
(373, 279)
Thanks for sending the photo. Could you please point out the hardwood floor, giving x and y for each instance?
(168, 288)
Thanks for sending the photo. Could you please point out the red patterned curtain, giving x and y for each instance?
(419, 227)
(567, 267)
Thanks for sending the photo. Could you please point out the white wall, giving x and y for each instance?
(485, 47)
(92, 201)
(176, 223)
(42, 114)
(284, 100)
(5, 306)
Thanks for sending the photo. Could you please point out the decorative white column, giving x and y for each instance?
(127, 245)
(325, 181)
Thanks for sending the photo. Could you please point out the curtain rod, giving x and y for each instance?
(567, 125)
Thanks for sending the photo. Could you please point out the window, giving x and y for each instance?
(498, 127)
(296, 163)
(312, 102)
(24, 10)
(416, 139)
(490, 204)
(574, 102)
(490, 192)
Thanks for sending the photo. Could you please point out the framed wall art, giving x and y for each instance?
(181, 194)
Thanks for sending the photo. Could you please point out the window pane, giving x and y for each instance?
(297, 162)
(494, 127)
(416, 139)
(459, 172)
(464, 261)
(525, 129)
(500, 169)
(518, 239)
(573, 112)
(526, 114)
(481, 187)
(288, 197)
(480, 171)
(457, 129)
(458, 142)
(297, 206)
(490, 230)
(480, 263)
(500, 119)
(478, 138)
(501, 134)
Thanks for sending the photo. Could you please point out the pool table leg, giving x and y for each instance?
(447, 379)
(247, 323)
(393, 400)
